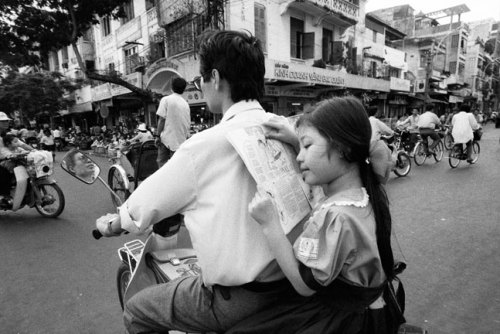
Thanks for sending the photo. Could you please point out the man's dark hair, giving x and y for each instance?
(429, 107)
(178, 85)
(238, 58)
(465, 108)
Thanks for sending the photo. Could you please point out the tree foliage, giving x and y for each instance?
(29, 29)
(35, 94)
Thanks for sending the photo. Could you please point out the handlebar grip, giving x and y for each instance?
(96, 234)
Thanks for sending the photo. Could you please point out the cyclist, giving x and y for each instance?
(463, 126)
(427, 124)
(411, 126)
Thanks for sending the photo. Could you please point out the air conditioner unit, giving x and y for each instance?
(420, 86)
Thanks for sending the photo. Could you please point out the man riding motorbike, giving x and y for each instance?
(207, 182)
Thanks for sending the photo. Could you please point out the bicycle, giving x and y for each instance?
(402, 161)
(459, 152)
(421, 151)
(142, 158)
(447, 137)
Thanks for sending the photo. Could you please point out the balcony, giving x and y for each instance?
(344, 13)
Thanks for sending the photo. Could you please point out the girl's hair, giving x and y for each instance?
(344, 122)
(8, 139)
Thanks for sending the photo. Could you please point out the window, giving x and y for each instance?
(65, 56)
(453, 67)
(55, 56)
(157, 46)
(128, 10)
(327, 46)
(260, 24)
(301, 43)
(394, 72)
(423, 60)
(106, 26)
(181, 38)
(131, 58)
(374, 37)
(111, 68)
(150, 4)
(454, 41)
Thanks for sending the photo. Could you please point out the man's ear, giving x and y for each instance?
(216, 78)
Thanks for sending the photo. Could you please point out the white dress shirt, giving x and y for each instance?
(463, 124)
(207, 181)
(428, 120)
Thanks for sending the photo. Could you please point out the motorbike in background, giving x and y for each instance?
(34, 185)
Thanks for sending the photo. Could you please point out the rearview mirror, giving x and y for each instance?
(80, 166)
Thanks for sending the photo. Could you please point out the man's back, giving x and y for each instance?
(175, 110)
(463, 124)
(428, 120)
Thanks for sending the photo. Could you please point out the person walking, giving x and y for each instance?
(207, 181)
(174, 120)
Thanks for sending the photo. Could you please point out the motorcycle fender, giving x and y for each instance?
(45, 180)
(123, 174)
(22, 179)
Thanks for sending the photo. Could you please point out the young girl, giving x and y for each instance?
(343, 256)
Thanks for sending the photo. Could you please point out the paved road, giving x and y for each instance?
(56, 279)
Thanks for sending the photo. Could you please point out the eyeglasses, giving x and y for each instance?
(197, 82)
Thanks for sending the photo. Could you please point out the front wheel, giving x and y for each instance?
(439, 151)
(52, 200)
(448, 141)
(420, 154)
(403, 164)
(476, 149)
(455, 155)
(123, 277)
(117, 184)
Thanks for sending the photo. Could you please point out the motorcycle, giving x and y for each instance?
(165, 255)
(34, 185)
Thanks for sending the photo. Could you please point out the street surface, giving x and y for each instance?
(55, 278)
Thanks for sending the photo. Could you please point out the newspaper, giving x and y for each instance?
(273, 166)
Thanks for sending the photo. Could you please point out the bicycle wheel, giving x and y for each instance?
(117, 184)
(455, 154)
(439, 151)
(448, 141)
(420, 154)
(476, 149)
(123, 277)
(403, 164)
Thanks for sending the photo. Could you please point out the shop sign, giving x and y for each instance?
(302, 73)
(400, 84)
(366, 83)
(456, 99)
(134, 78)
(101, 92)
(338, 6)
(272, 91)
(398, 99)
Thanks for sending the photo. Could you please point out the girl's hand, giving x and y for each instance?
(263, 210)
(279, 128)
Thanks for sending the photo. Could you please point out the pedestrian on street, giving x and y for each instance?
(174, 121)
(207, 181)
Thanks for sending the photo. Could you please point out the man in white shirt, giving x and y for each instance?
(378, 127)
(463, 126)
(207, 182)
(174, 121)
(427, 124)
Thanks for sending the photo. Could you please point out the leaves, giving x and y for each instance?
(35, 93)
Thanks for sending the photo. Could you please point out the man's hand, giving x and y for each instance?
(158, 141)
(109, 225)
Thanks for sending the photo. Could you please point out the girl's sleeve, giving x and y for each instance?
(322, 257)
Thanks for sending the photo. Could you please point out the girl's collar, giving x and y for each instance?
(352, 197)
